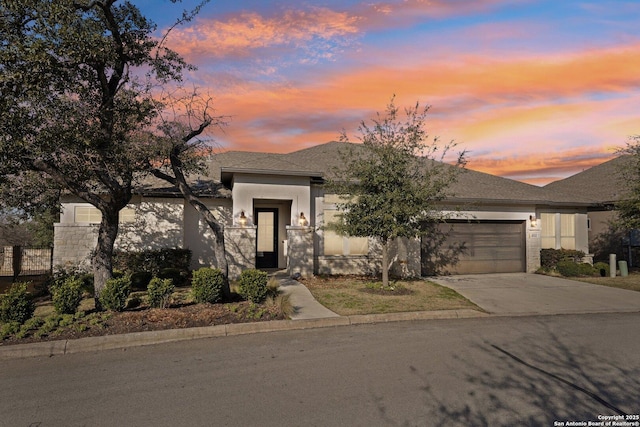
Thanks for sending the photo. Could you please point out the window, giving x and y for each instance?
(335, 244)
(567, 231)
(87, 214)
(558, 231)
(92, 215)
(127, 215)
(548, 225)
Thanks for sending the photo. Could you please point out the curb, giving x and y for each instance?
(138, 339)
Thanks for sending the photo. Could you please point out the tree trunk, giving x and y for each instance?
(102, 258)
(385, 263)
(218, 231)
(180, 181)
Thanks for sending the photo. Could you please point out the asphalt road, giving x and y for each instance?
(468, 372)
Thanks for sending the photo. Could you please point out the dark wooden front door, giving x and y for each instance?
(267, 237)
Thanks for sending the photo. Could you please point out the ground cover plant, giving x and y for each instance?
(349, 295)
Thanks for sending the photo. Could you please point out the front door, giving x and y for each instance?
(267, 237)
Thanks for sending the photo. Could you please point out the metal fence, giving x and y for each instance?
(19, 261)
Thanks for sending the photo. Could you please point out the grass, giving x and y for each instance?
(630, 282)
(355, 295)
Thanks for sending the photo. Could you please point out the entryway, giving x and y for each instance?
(266, 220)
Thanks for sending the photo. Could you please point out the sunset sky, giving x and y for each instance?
(534, 90)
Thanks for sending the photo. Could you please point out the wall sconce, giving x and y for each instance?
(302, 221)
(243, 219)
(533, 220)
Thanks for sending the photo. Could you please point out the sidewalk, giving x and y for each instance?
(304, 304)
(309, 314)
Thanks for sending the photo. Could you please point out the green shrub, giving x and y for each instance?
(602, 269)
(140, 280)
(549, 258)
(16, 305)
(159, 292)
(207, 285)
(586, 269)
(568, 268)
(9, 329)
(573, 269)
(115, 293)
(152, 261)
(253, 285)
(61, 273)
(67, 295)
(178, 276)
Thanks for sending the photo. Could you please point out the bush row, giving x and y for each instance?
(166, 263)
(549, 258)
(67, 289)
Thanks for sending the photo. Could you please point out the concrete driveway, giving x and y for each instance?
(526, 294)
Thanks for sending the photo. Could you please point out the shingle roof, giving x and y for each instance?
(601, 184)
(471, 185)
(321, 160)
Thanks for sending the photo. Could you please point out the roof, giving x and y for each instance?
(202, 186)
(602, 184)
(471, 185)
(320, 162)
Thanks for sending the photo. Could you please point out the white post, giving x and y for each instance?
(612, 265)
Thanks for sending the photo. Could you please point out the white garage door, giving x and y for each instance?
(489, 247)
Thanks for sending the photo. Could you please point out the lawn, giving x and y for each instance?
(630, 282)
(359, 295)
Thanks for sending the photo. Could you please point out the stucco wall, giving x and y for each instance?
(158, 224)
(247, 188)
(345, 265)
(240, 245)
(300, 251)
(198, 236)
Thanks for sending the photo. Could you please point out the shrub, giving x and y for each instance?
(115, 293)
(602, 268)
(253, 285)
(159, 292)
(207, 285)
(140, 280)
(573, 269)
(586, 269)
(63, 273)
(178, 276)
(549, 258)
(16, 305)
(152, 261)
(568, 268)
(67, 295)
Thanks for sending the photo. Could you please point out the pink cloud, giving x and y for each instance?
(239, 35)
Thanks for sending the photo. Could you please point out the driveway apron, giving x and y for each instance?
(530, 294)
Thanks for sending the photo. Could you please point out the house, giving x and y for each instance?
(603, 186)
(273, 207)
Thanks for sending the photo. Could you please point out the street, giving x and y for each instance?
(467, 372)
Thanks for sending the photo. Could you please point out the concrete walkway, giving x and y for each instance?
(304, 304)
(518, 294)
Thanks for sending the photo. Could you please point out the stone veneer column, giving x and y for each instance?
(300, 251)
(533, 247)
(240, 246)
(73, 243)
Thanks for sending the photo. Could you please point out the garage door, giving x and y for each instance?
(487, 247)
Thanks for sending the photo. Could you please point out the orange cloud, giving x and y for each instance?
(543, 168)
(240, 34)
(515, 115)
